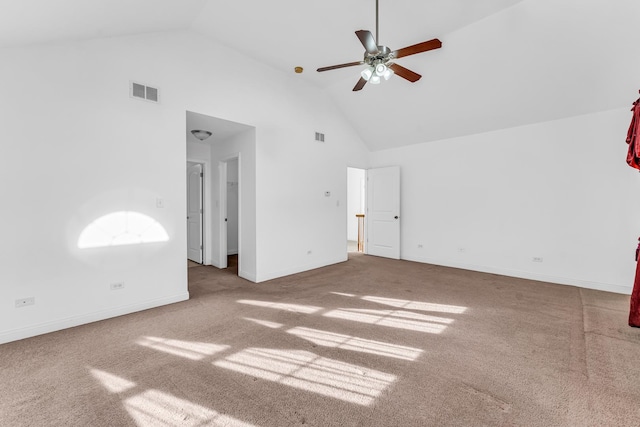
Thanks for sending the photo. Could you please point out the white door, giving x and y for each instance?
(222, 169)
(383, 212)
(194, 213)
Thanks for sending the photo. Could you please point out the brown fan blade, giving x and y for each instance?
(405, 73)
(417, 48)
(334, 67)
(360, 84)
(367, 40)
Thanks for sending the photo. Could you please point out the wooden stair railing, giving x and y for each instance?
(360, 232)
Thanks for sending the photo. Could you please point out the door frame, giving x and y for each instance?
(364, 195)
(222, 223)
(206, 208)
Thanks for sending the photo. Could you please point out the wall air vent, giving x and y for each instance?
(319, 137)
(140, 91)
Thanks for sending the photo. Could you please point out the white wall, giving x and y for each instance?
(355, 202)
(75, 147)
(559, 190)
(298, 227)
(198, 151)
(97, 152)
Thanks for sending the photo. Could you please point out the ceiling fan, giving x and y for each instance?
(379, 59)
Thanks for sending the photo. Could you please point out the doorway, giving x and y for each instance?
(356, 202)
(230, 211)
(383, 212)
(195, 212)
(216, 143)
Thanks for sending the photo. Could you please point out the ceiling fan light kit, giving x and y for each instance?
(378, 59)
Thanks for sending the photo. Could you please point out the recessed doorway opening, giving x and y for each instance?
(225, 152)
(195, 213)
(356, 203)
(230, 211)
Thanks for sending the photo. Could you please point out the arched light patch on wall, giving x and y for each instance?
(122, 228)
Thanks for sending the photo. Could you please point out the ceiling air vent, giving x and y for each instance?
(140, 91)
(319, 137)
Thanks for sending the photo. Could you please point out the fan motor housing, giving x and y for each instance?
(381, 56)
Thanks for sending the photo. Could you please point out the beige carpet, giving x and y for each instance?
(369, 342)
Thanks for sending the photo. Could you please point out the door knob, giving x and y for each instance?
(395, 217)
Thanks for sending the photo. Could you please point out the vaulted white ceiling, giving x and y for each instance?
(503, 63)
(42, 21)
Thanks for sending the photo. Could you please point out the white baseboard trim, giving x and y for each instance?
(619, 289)
(70, 322)
(301, 268)
(247, 276)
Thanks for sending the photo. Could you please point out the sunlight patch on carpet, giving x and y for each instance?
(299, 308)
(346, 342)
(266, 323)
(310, 372)
(187, 349)
(113, 383)
(393, 318)
(342, 294)
(416, 305)
(154, 408)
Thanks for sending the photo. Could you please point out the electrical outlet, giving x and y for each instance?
(23, 302)
(117, 285)
(537, 259)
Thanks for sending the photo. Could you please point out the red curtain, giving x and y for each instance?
(633, 160)
(634, 311)
(633, 155)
